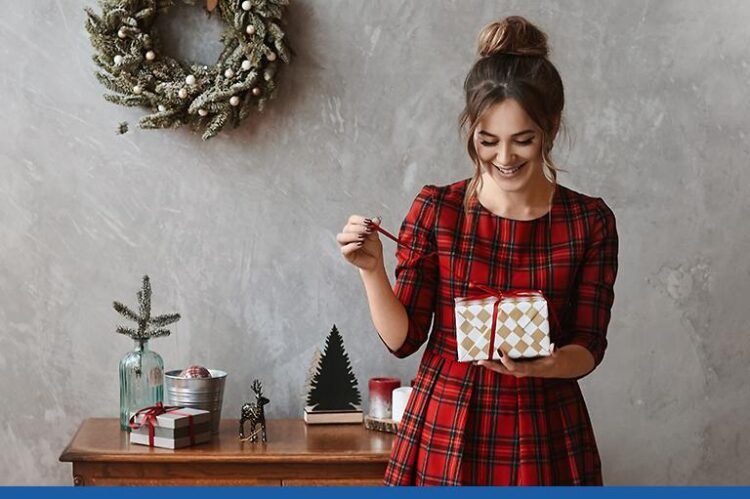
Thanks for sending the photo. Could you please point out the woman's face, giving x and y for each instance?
(509, 146)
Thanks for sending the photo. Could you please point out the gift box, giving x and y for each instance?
(171, 443)
(170, 427)
(515, 322)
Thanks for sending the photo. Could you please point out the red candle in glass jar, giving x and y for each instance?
(381, 390)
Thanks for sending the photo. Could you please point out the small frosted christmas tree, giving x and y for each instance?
(333, 396)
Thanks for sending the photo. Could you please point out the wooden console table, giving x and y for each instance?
(296, 455)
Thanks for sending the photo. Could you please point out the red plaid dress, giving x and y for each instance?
(465, 424)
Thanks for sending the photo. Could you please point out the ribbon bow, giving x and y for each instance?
(150, 418)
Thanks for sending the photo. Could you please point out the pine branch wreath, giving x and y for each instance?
(206, 98)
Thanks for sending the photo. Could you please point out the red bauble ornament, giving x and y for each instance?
(195, 372)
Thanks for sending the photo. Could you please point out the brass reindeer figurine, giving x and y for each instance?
(253, 413)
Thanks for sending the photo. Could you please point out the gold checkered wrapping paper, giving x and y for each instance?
(521, 329)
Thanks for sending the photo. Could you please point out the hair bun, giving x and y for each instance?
(513, 35)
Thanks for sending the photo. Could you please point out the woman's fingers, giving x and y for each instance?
(349, 249)
(505, 366)
(349, 237)
(359, 243)
(356, 221)
(493, 366)
(356, 229)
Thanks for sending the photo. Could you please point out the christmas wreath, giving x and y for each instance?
(204, 97)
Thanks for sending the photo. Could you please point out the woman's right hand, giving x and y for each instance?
(361, 245)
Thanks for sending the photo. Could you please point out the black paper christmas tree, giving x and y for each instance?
(334, 386)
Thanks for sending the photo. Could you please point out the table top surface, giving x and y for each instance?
(289, 441)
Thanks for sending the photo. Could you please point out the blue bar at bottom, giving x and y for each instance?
(376, 492)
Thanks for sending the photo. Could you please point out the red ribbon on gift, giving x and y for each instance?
(487, 292)
(150, 418)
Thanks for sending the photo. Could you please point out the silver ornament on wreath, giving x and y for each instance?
(137, 72)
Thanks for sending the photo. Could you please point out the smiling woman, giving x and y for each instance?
(515, 90)
(510, 163)
(512, 228)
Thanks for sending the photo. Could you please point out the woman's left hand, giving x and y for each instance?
(520, 369)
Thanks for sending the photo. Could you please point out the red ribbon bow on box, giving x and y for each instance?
(479, 292)
(150, 418)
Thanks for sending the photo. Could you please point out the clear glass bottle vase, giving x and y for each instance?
(141, 380)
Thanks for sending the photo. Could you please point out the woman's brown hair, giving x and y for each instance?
(513, 64)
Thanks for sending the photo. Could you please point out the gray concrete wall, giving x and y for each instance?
(237, 234)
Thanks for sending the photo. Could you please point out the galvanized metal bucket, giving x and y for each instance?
(198, 393)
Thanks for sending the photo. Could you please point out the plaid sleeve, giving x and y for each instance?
(417, 270)
(595, 292)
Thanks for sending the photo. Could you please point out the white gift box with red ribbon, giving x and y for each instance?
(515, 322)
(170, 427)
